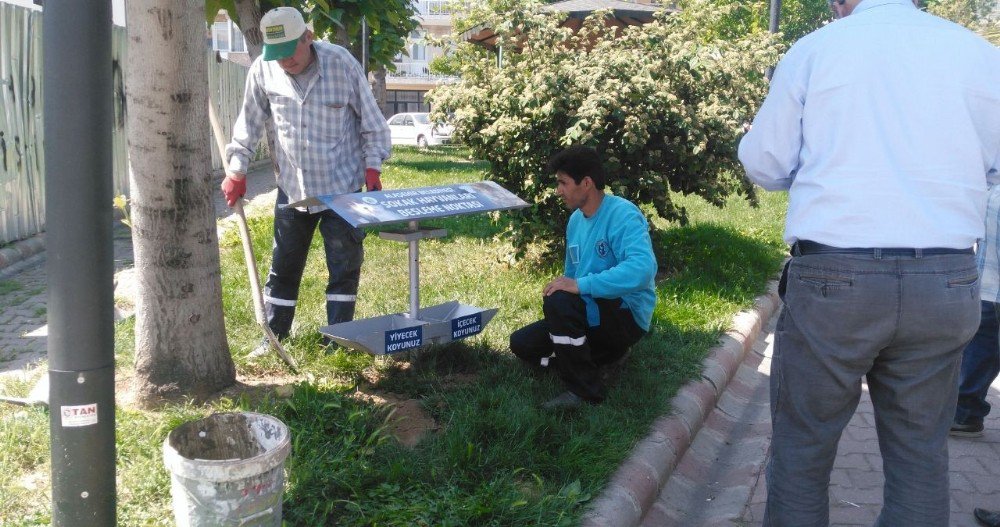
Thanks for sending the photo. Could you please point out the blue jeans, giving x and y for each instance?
(901, 322)
(293, 233)
(980, 365)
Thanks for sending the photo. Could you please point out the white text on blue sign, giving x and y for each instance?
(403, 339)
(466, 326)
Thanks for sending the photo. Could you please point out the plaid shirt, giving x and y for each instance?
(325, 138)
(988, 250)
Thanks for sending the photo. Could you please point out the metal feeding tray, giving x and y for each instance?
(398, 332)
(419, 327)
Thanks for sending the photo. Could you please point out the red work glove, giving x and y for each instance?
(373, 179)
(234, 189)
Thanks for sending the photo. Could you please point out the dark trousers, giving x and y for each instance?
(980, 365)
(293, 233)
(579, 351)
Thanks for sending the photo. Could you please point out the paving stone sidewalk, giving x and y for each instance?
(720, 482)
(24, 290)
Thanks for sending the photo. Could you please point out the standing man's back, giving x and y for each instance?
(885, 128)
(885, 120)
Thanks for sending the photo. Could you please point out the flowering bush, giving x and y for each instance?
(664, 103)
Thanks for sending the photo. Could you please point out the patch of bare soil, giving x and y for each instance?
(454, 380)
(36, 480)
(253, 388)
(408, 422)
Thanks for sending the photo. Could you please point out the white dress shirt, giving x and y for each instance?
(328, 131)
(988, 250)
(884, 127)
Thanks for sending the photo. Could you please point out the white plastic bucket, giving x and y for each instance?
(227, 470)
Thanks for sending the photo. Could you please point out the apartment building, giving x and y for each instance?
(406, 87)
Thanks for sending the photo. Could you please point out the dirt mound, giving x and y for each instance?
(408, 421)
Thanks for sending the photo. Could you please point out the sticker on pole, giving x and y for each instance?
(403, 339)
(83, 415)
(466, 326)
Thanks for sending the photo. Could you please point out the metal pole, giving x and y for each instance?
(775, 14)
(78, 191)
(772, 26)
(414, 274)
(364, 45)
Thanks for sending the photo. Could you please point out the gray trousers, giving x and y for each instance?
(902, 323)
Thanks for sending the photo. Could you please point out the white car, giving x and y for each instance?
(417, 129)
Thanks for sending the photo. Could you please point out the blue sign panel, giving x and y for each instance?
(466, 326)
(397, 340)
(407, 204)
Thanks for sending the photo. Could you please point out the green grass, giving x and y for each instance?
(497, 459)
(8, 286)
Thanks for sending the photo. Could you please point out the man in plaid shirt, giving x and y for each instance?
(331, 139)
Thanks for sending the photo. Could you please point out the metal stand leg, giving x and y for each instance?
(414, 275)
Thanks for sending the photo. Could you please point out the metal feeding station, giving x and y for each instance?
(418, 327)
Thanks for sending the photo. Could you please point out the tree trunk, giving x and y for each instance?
(249, 14)
(180, 337)
(378, 87)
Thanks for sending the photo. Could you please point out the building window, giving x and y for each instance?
(400, 101)
(239, 44)
(220, 36)
(418, 46)
(418, 51)
(227, 37)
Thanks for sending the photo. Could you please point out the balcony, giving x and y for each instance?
(416, 71)
(434, 10)
(417, 68)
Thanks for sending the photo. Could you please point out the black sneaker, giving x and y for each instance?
(973, 429)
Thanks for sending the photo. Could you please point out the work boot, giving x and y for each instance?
(564, 401)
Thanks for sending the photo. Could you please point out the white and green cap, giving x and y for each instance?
(281, 27)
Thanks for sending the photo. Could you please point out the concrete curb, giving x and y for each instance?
(21, 250)
(636, 484)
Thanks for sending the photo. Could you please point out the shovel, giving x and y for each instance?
(241, 221)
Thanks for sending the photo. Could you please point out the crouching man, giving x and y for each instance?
(603, 303)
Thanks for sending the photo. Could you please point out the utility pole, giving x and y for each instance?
(78, 192)
(772, 26)
(364, 46)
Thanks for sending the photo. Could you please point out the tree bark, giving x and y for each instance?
(180, 338)
(378, 87)
(249, 14)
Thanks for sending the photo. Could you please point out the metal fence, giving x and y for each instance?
(22, 168)
(22, 207)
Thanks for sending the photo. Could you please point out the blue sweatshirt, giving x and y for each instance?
(610, 255)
